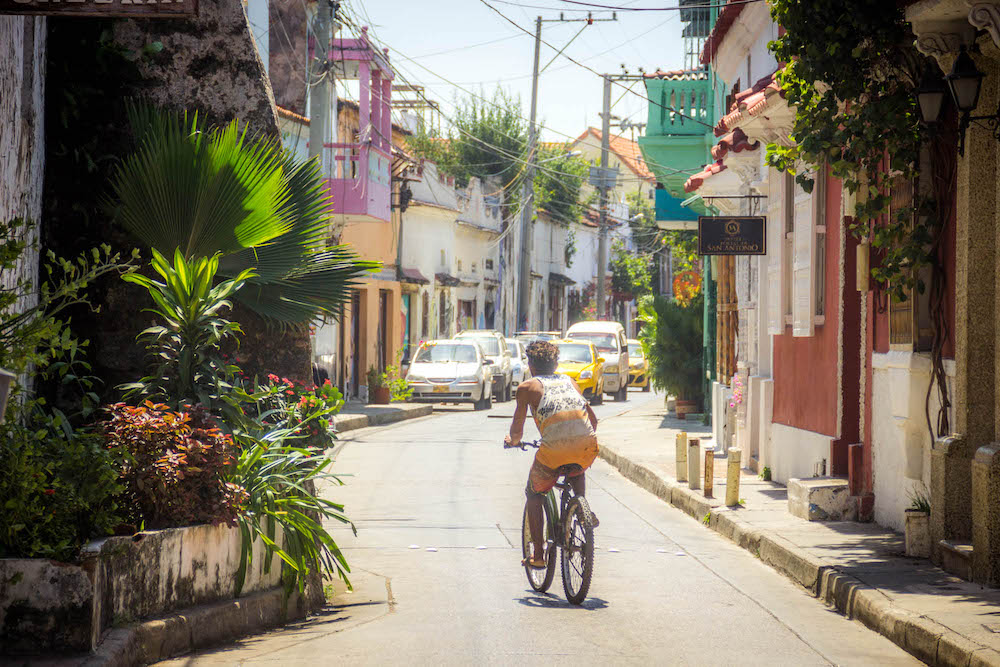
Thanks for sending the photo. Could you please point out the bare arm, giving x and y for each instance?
(520, 413)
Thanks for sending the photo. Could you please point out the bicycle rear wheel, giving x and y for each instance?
(540, 580)
(578, 550)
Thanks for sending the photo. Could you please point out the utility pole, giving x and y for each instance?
(602, 225)
(321, 85)
(527, 195)
(528, 189)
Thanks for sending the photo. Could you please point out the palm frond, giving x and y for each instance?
(203, 191)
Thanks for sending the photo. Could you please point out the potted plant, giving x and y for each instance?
(671, 338)
(399, 388)
(918, 534)
(378, 389)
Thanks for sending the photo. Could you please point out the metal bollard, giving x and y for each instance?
(733, 477)
(693, 463)
(709, 471)
(681, 456)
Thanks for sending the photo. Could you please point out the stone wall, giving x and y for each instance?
(22, 138)
(48, 607)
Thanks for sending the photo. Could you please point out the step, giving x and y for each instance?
(956, 558)
(821, 499)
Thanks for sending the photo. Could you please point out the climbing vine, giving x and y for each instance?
(861, 120)
(850, 74)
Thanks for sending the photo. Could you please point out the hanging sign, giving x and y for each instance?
(149, 9)
(729, 235)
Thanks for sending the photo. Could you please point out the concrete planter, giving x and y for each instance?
(685, 408)
(381, 396)
(918, 534)
(52, 607)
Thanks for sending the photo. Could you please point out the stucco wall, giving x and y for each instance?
(805, 368)
(901, 441)
(794, 452)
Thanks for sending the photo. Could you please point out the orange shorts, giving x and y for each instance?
(542, 478)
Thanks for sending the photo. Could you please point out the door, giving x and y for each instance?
(382, 340)
(355, 343)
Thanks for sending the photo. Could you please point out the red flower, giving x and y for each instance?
(289, 392)
(50, 492)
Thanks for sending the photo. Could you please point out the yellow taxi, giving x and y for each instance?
(638, 366)
(579, 360)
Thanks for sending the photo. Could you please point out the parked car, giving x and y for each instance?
(451, 371)
(638, 366)
(528, 337)
(518, 361)
(609, 339)
(580, 360)
(495, 347)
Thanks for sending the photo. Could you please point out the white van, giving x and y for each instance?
(609, 339)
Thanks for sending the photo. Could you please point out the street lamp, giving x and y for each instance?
(930, 94)
(965, 82)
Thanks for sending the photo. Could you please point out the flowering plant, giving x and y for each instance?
(737, 398)
(304, 409)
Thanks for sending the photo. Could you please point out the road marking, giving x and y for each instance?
(613, 550)
(414, 546)
(431, 549)
(481, 546)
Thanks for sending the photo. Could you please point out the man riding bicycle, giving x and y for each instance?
(567, 425)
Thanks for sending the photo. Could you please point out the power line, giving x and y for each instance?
(593, 71)
(710, 5)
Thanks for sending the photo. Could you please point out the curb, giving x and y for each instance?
(353, 421)
(194, 628)
(920, 636)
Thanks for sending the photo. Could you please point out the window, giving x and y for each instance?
(466, 315)
(575, 353)
(444, 261)
(902, 314)
(473, 267)
(489, 265)
(819, 250)
(445, 352)
(459, 265)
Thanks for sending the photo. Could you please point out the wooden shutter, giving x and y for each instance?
(775, 250)
(803, 288)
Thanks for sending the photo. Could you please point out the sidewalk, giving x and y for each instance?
(860, 569)
(355, 414)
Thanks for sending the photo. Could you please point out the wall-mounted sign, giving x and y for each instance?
(728, 235)
(149, 9)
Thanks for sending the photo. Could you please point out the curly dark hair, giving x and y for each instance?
(543, 357)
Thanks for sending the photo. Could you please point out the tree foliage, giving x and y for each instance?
(558, 183)
(671, 337)
(631, 273)
(850, 75)
(486, 138)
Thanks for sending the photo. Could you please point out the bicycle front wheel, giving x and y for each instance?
(540, 580)
(578, 550)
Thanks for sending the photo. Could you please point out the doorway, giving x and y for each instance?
(355, 343)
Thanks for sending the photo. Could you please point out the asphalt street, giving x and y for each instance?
(437, 577)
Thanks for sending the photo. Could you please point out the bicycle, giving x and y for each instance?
(568, 527)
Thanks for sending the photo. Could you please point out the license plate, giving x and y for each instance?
(441, 389)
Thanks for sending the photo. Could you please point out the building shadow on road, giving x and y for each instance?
(551, 601)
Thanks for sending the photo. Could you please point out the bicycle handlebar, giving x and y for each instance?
(523, 445)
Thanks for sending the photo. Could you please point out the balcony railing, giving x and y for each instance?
(361, 185)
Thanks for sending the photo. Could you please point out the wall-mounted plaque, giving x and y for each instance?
(731, 235)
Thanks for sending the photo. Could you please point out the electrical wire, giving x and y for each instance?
(595, 72)
(621, 8)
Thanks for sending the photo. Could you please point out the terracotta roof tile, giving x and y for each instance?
(750, 102)
(626, 150)
(736, 142)
(710, 170)
(291, 115)
(699, 74)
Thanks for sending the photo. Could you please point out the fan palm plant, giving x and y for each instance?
(220, 191)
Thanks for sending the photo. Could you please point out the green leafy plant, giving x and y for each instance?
(376, 380)
(34, 331)
(58, 486)
(174, 466)
(558, 183)
(671, 338)
(919, 501)
(280, 479)
(630, 273)
(570, 250)
(217, 190)
(765, 474)
(187, 363)
(305, 410)
(707, 519)
(399, 388)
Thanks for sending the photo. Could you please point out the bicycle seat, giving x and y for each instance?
(568, 469)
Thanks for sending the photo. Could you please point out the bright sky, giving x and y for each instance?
(445, 38)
